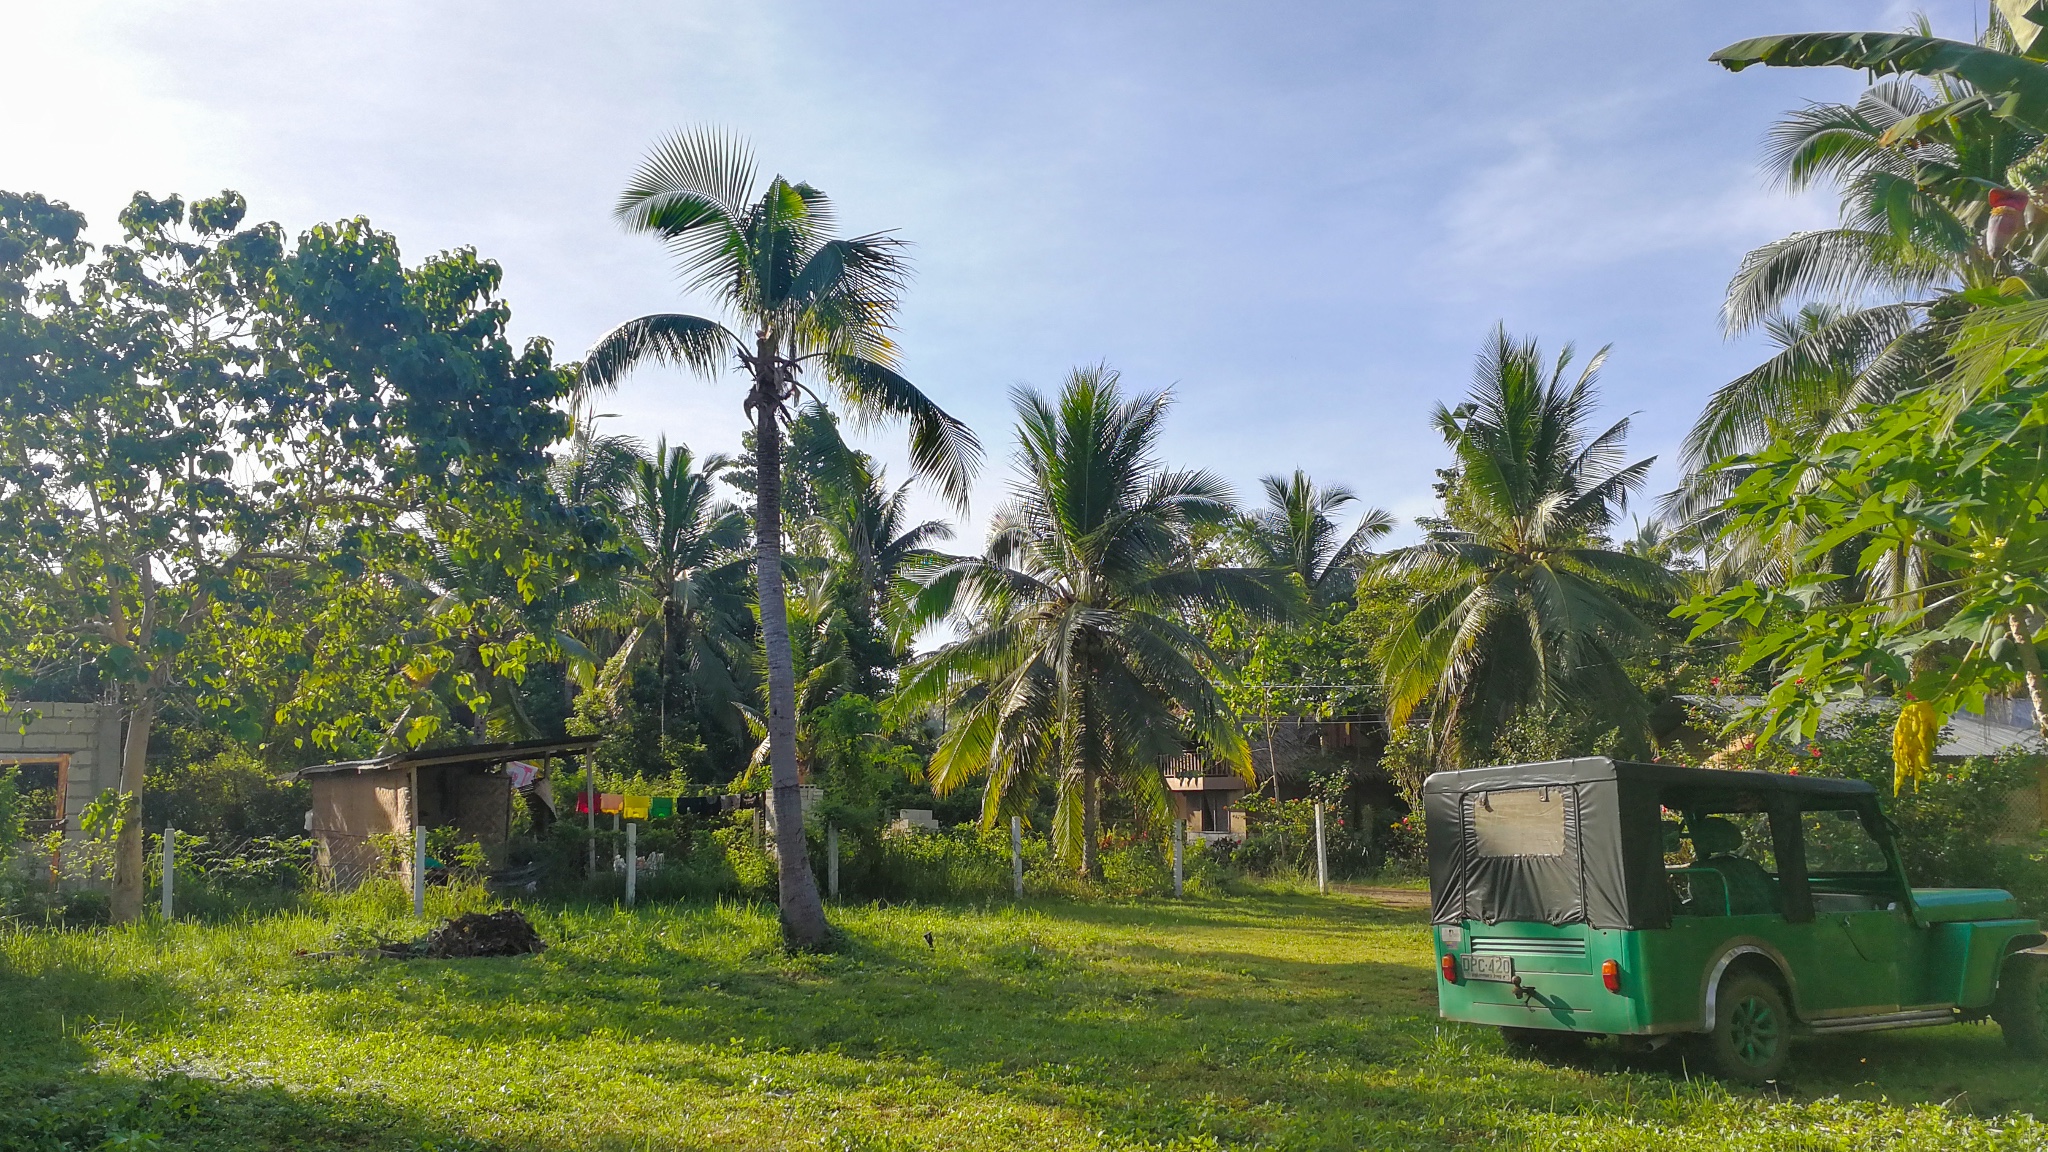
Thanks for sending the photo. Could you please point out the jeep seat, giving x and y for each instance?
(1751, 890)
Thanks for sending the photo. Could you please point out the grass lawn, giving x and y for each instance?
(1283, 1020)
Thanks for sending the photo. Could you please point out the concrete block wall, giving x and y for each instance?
(89, 735)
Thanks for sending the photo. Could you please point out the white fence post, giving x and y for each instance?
(1017, 856)
(1180, 838)
(170, 850)
(419, 870)
(632, 862)
(832, 859)
(1322, 854)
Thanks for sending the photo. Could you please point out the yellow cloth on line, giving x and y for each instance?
(636, 807)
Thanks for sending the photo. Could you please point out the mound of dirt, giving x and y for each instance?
(502, 933)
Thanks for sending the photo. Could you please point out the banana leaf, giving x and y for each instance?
(2015, 87)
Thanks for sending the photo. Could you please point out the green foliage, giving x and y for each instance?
(1521, 602)
(1076, 670)
(230, 795)
(1280, 841)
(2010, 86)
(1948, 480)
(13, 813)
(1958, 828)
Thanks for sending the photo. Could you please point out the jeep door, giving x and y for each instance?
(1861, 929)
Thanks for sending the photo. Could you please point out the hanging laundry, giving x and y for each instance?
(582, 803)
(521, 774)
(663, 808)
(636, 807)
(609, 803)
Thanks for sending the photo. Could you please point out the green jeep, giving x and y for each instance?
(1596, 897)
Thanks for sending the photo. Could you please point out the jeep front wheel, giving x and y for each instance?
(2021, 1008)
(1752, 1032)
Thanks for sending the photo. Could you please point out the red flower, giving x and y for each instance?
(1794, 771)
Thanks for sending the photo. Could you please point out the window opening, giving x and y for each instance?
(1520, 822)
(1846, 866)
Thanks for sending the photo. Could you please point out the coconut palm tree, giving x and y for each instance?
(684, 600)
(1297, 531)
(1077, 665)
(872, 542)
(808, 307)
(1919, 169)
(1521, 595)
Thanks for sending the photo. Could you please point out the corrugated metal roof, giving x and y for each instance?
(471, 754)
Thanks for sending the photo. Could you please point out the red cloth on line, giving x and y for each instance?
(582, 803)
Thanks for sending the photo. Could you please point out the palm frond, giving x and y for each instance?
(688, 341)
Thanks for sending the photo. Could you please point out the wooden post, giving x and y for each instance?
(590, 812)
(1322, 854)
(832, 860)
(170, 851)
(1180, 838)
(419, 869)
(632, 863)
(1017, 855)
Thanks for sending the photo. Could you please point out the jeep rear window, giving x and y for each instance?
(1520, 822)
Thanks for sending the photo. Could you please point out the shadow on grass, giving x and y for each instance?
(53, 1096)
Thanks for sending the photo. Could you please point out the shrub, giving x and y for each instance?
(232, 795)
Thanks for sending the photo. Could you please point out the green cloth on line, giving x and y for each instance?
(663, 808)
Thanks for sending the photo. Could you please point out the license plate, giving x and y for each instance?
(1490, 967)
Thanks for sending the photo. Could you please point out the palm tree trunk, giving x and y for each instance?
(1091, 825)
(803, 914)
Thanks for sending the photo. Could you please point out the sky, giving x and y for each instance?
(1302, 218)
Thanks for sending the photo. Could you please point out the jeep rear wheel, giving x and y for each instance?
(2021, 1008)
(1752, 1032)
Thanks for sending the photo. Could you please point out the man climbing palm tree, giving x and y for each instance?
(805, 302)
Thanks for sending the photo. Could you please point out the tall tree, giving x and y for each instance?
(684, 600)
(1297, 531)
(1078, 666)
(1521, 596)
(199, 413)
(1865, 310)
(873, 542)
(804, 301)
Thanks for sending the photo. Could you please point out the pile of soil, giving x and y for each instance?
(501, 933)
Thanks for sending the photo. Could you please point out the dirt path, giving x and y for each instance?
(1404, 899)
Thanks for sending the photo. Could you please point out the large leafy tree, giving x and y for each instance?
(201, 414)
(808, 305)
(1520, 598)
(1954, 469)
(1077, 666)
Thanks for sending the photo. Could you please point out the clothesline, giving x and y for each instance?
(632, 807)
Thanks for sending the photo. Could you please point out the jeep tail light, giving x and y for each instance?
(1610, 975)
(1450, 968)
